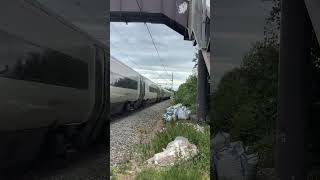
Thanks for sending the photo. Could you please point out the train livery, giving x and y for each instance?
(52, 76)
(54, 79)
(130, 90)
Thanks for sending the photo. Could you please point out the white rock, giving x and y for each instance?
(179, 149)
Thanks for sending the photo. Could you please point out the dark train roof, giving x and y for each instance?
(133, 70)
(49, 12)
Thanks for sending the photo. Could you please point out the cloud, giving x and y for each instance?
(132, 44)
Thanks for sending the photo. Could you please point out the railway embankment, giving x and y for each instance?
(134, 129)
(177, 149)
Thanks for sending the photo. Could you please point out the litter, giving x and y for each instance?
(220, 140)
(176, 112)
(231, 160)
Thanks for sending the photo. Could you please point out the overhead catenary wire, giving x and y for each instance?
(156, 49)
(132, 62)
(140, 9)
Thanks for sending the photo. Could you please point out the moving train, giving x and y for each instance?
(53, 93)
(130, 90)
(54, 79)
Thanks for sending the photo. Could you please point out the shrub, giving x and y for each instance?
(187, 93)
(245, 101)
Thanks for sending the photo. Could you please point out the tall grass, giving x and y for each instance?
(196, 168)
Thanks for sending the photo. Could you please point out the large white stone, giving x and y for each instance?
(179, 149)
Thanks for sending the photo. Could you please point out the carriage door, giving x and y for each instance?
(142, 88)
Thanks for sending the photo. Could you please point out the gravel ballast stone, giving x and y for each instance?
(126, 132)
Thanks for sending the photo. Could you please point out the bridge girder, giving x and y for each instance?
(189, 18)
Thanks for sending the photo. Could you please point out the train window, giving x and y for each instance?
(33, 63)
(153, 89)
(118, 80)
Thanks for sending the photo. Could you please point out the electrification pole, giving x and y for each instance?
(172, 81)
(293, 91)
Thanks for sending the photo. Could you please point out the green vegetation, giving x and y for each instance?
(174, 173)
(245, 101)
(187, 93)
(196, 168)
(120, 169)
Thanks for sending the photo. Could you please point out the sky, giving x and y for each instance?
(132, 44)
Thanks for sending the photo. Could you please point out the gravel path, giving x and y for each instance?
(130, 130)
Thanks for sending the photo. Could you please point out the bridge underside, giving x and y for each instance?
(188, 18)
(157, 18)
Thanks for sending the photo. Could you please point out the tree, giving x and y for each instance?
(245, 101)
(272, 26)
(195, 60)
(187, 93)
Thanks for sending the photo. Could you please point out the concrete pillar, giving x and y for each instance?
(293, 91)
(201, 89)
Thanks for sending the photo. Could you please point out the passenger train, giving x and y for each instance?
(130, 90)
(54, 84)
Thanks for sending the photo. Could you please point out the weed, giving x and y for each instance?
(120, 169)
(196, 168)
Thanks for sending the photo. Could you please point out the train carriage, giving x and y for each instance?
(130, 90)
(53, 91)
(52, 78)
(125, 85)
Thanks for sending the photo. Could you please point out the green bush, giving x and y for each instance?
(187, 93)
(245, 101)
(174, 173)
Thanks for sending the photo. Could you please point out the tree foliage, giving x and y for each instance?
(187, 93)
(245, 101)
(272, 26)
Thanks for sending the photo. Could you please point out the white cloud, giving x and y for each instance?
(132, 44)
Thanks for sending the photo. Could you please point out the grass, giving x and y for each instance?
(174, 173)
(120, 169)
(196, 168)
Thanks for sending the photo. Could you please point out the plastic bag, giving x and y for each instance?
(181, 114)
(231, 160)
(220, 140)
